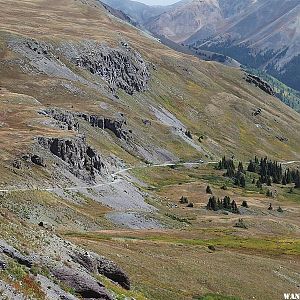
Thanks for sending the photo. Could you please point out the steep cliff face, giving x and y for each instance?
(68, 120)
(76, 153)
(120, 67)
(116, 126)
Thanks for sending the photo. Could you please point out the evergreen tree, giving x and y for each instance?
(234, 207)
(280, 210)
(188, 134)
(297, 180)
(241, 167)
(212, 203)
(183, 200)
(245, 204)
(284, 180)
(208, 190)
(259, 184)
(243, 182)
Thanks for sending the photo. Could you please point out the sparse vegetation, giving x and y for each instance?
(225, 204)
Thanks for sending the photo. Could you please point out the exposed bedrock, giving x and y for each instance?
(66, 119)
(260, 84)
(15, 254)
(101, 265)
(75, 152)
(82, 283)
(116, 126)
(69, 121)
(120, 67)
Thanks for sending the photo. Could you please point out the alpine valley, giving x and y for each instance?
(132, 169)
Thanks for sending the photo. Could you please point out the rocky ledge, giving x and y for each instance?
(260, 84)
(76, 153)
(120, 67)
(116, 126)
(67, 120)
(80, 274)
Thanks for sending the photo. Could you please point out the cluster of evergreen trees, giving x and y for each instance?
(271, 171)
(225, 204)
(238, 175)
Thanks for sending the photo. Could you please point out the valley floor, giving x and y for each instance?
(198, 252)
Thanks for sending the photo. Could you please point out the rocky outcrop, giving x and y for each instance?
(3, 265)
(76, 153)
(98, 264)
(66, 119)
(15, 254)
(83, 284)
(116, 126)
(69, 121)
(28, 158)
(37, 160)
(120, 67)
(260, 84)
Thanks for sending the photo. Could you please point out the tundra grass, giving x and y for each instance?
(272, 246)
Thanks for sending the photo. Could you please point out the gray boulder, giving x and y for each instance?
(101, 265)
(83, 284)
(38, 160)
(15, 254)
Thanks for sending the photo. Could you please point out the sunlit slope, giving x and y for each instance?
(214, 102)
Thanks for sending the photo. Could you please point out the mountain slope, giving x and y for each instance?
(140, 12)
(92, 112)
(260, 34)
(204, 98)
(266, 36)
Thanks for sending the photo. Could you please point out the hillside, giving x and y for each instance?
(259, 34)
(262, 38)
(99, 123)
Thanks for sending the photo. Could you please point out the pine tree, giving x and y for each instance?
(269, 193)
(208, 190)
(234, 207)
(280, 210)
(241, 167)
(212, 203)
(183, 200)
(284, 180)
(245, 204)
(243, 182)
(259, 184)
(297, 180)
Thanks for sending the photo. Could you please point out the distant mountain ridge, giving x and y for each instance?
(261, 34)
(266, 37)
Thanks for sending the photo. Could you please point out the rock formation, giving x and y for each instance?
(83, 284)
(15, 254)
(75, 152)
(65, 118)
(98, 264)
(116, 126)
(120, 67)
(260, 83)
